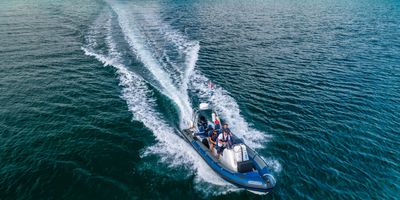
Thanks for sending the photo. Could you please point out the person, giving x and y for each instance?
(216, 121)
(202, 122)
(212, 138)
(201, 132)
(223, 140)
(226, 128)
(209, 129)
(217, 126)
(231, 139)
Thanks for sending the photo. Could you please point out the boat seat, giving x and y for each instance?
(203, 140)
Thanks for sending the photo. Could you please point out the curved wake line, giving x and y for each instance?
(185, 46)
(136, 94)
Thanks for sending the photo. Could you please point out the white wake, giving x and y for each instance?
(135, 38)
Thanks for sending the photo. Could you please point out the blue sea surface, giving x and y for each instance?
(93, 95)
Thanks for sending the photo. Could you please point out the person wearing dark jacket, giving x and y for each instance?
(212, 139)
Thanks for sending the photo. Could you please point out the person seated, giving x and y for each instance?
(202, 122)
(209, 129)
(223, 142)
(216, 121)
(201, 132)
(226, 128)
(212, 139)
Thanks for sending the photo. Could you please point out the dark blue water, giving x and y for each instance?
(93, 93)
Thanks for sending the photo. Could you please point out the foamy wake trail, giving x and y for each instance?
(171, 149)
(136, 40)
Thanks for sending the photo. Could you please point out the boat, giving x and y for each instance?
(239, 165)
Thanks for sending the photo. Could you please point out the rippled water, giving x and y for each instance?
(93, 93)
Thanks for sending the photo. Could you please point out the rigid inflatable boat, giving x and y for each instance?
(239, 164)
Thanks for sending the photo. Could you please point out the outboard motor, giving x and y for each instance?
(269, 180)
(268, 177)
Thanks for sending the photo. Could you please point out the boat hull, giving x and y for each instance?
(251, 181)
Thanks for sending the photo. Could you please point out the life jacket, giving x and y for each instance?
(227, 130)
(201, 130)
(225, 139)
